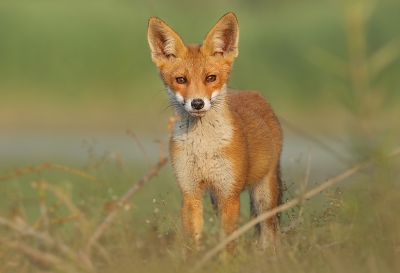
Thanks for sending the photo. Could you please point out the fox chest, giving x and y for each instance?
(199, 157)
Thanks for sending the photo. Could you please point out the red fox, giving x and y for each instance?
(225, 141)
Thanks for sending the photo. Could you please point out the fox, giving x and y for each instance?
(225, 141)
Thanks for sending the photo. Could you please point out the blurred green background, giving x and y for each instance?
(78, 65)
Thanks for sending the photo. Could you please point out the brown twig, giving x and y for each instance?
(109, 218)
(133, 135)
(51, 166)
(154, 171)
(26, 230)
(304, 185)
(292, 225)
(163, 146)
(84, 224)
(45, 239)
(43, 257)
(61, 220)
(281, 208)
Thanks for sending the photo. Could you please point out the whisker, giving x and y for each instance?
(157, 93)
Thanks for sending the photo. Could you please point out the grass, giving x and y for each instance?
(354, 227)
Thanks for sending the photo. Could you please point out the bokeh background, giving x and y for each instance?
(76, 75)
(73, 70)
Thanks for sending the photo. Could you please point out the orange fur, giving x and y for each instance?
(225, 141)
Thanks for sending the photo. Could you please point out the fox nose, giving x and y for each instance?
(197, 104)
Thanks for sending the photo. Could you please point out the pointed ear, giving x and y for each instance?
(164, 42)
(223, 38)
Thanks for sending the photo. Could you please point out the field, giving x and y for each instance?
(85, 184)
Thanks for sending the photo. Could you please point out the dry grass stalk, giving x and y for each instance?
(133, 135)
(84, 224)
(39, 256)
(304, 185)
(45, 239)
(26, 230)
(121, 202)
(45, 258)
(51, 166)
(124, 199)
(44, 217)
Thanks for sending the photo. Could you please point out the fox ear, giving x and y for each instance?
(164, 42)
(223, 38)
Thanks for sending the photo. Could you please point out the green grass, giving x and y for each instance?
(345, 229)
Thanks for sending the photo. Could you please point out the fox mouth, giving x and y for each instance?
(198, 113)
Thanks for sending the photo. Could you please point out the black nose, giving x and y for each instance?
(197, 104)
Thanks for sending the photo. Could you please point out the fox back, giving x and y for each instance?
(225, 141)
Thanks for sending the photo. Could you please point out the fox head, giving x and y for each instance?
(195, 75)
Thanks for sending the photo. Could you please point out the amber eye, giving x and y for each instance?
(211, 78)
(181, 80)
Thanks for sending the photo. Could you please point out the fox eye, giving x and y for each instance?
(181, 80)
(211, 78)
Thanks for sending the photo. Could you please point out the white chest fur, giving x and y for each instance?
(200, 158)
